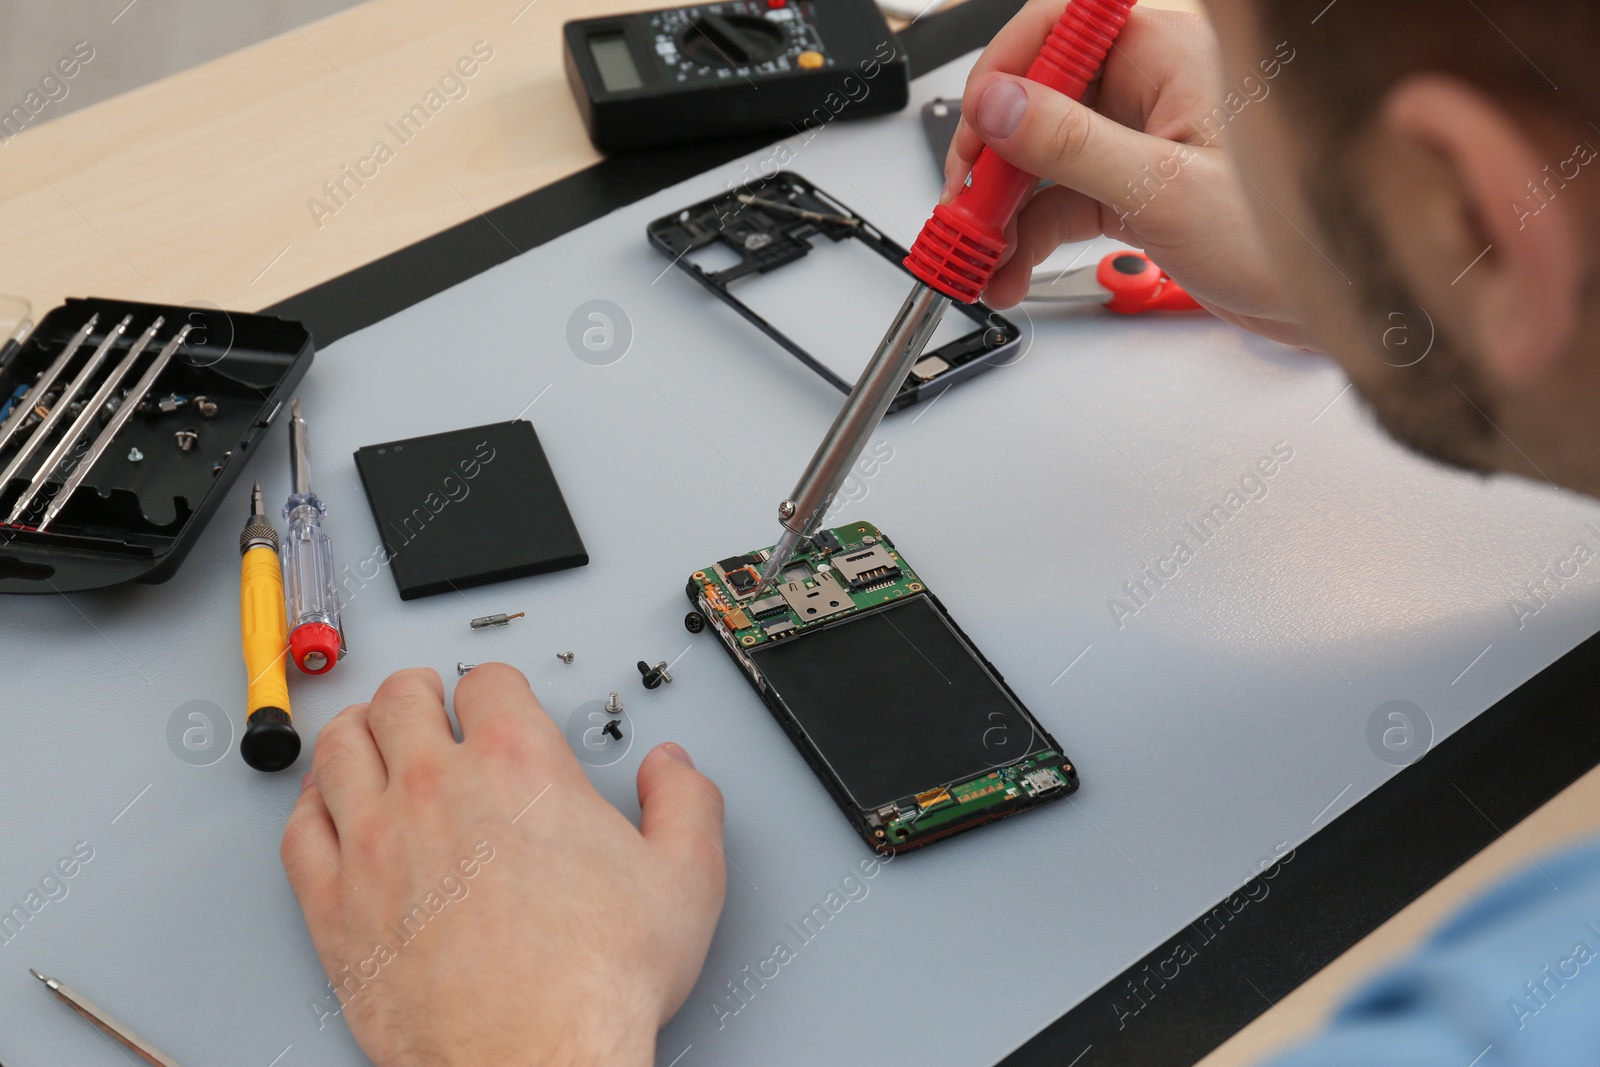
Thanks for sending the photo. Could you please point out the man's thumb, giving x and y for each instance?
(1054, 137)
(680, 808)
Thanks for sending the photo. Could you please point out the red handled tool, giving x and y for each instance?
(1125, 282)
(953, 258)
(959, 248)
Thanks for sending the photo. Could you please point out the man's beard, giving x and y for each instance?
(1419, 386)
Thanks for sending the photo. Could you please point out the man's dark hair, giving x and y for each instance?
(1349, 54)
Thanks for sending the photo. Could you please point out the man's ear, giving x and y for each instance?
(1519, 303)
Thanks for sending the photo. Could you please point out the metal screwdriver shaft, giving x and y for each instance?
(53, 372)
(63, 402)
(146, 382)
(801, 514)
(954, 257)
(85, 419)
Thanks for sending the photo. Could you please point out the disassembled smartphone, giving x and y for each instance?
(912, 730)
(776, 221)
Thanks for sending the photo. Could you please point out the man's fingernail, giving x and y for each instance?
(1001, 108)
(305, 783)
(677, 752)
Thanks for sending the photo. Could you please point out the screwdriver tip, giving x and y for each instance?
(39, 976)
(767, 581)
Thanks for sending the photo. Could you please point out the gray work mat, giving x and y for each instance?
(1227, 718)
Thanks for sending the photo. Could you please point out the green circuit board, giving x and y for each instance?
(848, 569)
(1040, 775)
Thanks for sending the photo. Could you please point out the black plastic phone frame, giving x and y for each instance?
(768, 238)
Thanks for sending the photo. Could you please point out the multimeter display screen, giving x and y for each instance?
(615, 62)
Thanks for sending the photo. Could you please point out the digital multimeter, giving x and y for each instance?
(742, 66)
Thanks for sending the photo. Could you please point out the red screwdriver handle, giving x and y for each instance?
(959, 248)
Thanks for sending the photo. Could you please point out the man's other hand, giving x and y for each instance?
(479, 902)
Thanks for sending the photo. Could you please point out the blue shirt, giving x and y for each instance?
(1512, 979)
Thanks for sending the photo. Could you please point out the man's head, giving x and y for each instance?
(1429, 181)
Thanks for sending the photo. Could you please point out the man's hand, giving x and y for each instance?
(479, 903)
(1141, 161)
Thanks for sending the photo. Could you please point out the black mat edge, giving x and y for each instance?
(1351, 876)
(1346, 881)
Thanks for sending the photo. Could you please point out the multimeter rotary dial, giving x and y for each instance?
(734, 40)
(725, 68)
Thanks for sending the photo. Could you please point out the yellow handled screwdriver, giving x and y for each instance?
(270, 742)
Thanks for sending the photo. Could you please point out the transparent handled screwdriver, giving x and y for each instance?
(315, 636)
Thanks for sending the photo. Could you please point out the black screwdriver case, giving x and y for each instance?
(134, 520)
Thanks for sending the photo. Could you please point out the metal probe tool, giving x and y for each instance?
(112, 428)
(58, 411)
(113, 1029)
(20, 413)
(85, 419)
(270, 742)
(315, 636)
(36, 395)
(954, 257)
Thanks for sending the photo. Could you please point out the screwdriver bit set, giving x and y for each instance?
(122, 426)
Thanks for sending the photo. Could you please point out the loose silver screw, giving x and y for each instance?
(614, 704)
(565, 657)
(134, 455)
(463, 668)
